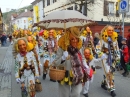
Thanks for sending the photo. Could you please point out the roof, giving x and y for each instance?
(1, 12)
(14, 15)
(35, 2)
(25, 14)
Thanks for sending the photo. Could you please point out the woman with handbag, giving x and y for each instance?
(69, 55)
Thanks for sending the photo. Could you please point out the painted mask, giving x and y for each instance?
(22, 46)
(87, 53)
(110, 31)
(73, 41)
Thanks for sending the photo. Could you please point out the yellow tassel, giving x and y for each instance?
(62, 82)
(71, 75)
(70, 83)
(66, 79)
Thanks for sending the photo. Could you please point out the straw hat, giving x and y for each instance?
(75, 31)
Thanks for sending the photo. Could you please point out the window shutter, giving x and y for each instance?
(75, 6)
(117, 9)
(43, 3)
(105, 8)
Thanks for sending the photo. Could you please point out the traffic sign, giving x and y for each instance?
(124, 6)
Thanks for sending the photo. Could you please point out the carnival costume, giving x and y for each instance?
(109, 46)
(90, 65)
(71, 58)
(26, 71)
(49, 49)
(87, 39)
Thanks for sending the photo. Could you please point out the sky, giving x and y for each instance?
(14, 4)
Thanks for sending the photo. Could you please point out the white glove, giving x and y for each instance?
(40, 64)
(103, 56)
(18, 80)
(65, 55)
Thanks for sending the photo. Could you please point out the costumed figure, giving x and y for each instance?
(109, 46)
(50, 47)
(69, 55)
(35, 50)
(88, 39)
(26, 69)
(90, 68)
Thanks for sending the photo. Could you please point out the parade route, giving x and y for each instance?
(50, 89)
(5, 71)
(9, 87)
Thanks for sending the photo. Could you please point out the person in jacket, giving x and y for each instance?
(124, 57)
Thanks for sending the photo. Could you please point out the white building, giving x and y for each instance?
(38, 11)
(98, 10)
(22, 21)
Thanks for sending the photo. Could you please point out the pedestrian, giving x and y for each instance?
(96, 38)
(69, 55)
(124, 57)
(26, 70)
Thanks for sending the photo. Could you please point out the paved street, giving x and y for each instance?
(9, 88)
(5, 71)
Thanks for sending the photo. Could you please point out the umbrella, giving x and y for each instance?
(64, 19)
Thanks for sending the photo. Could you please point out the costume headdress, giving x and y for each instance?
(64, 41)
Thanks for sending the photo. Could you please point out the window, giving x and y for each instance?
(24, 26)
(54, 1)
(48, 2)
(128, 13)
(70, 8)
(108, 8)
(111, 8)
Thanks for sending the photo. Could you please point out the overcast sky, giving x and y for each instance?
(14, 4)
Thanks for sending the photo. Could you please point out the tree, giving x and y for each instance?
(82, 3)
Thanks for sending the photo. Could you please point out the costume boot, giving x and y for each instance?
(125, 74)
(104, 85)
(44, 76)
(85, 95)
(113, 94)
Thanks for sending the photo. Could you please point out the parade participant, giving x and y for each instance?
(109, 46)
(90, 65)
(30, 39)
(25, 67)
(50, 47)
(69, 55)
(88, 39)
(124, 57)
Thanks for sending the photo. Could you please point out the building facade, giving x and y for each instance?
(38, 11)
(1, 22)
(23, 21)
(101, 11)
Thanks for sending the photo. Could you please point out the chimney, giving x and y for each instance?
(26, 10)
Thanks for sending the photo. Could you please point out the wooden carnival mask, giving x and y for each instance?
(110, 30)
(73, 41)
(30, 39)
(51, 33)
(22, 46)
(88, 29)
(87, 53)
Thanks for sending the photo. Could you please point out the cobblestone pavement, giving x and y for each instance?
(5, 73)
